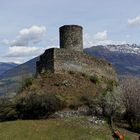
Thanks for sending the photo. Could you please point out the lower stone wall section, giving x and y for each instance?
(67, 60)
(64, 60)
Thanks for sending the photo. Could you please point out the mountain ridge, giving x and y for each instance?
(4, 66)
(124, 62)
(124, 48)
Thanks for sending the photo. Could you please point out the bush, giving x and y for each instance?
(27, 82)
(94, 79)
(87, 100)
(71, 72)
(111, 84)
(8, 111)
(33, 106)
(131, 100)
(107, 104)
(136, 127)
(38, 106)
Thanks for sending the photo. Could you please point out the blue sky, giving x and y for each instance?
(28, 27)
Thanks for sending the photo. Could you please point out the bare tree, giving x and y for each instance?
(131, 98)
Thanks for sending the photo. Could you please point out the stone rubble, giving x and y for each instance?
(92, 120)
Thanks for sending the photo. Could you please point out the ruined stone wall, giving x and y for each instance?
(46, 61)
(66, 60)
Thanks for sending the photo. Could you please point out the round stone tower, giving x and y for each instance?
(71, 37)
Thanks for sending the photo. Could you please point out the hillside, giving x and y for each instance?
(4, 66)
(70, 87)
(58, 129)
(12, 79)
(28, 68)
(125, 61)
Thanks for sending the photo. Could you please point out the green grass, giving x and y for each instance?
(54, 129)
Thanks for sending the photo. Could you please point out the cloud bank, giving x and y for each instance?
(31, 35)
(100, 38)
(134, 21)
(23, 51)
(21, 46)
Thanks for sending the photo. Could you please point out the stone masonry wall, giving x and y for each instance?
(68, 60)
(71, 37)
(64, 60)
(46, 61)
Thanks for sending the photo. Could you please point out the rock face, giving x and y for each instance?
(70, 56)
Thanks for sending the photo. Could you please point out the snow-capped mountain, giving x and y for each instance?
(125, 58)
(124, 48)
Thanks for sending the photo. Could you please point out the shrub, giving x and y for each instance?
(87, 99)
(8, 111)
(108, 103)
(71, 72)
(136, 127)
(83, 74)
(32, 106)
(27, 82)
(38, 106)
(111, 84)
(94, 79)
(131, 100)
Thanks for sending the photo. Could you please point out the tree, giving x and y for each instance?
(110, 102)
(131, 99)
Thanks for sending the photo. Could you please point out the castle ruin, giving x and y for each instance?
(70, 56)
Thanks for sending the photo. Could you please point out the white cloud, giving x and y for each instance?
(23, 51)
(5, 42)
(31, 35)
(20, 47)
(101, 36)
(134, 21)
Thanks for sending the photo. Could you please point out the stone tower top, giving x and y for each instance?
(71, 37)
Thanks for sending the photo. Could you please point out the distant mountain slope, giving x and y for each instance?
(24, 69)
(12, 79)
(125, 62)
(4, 66)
